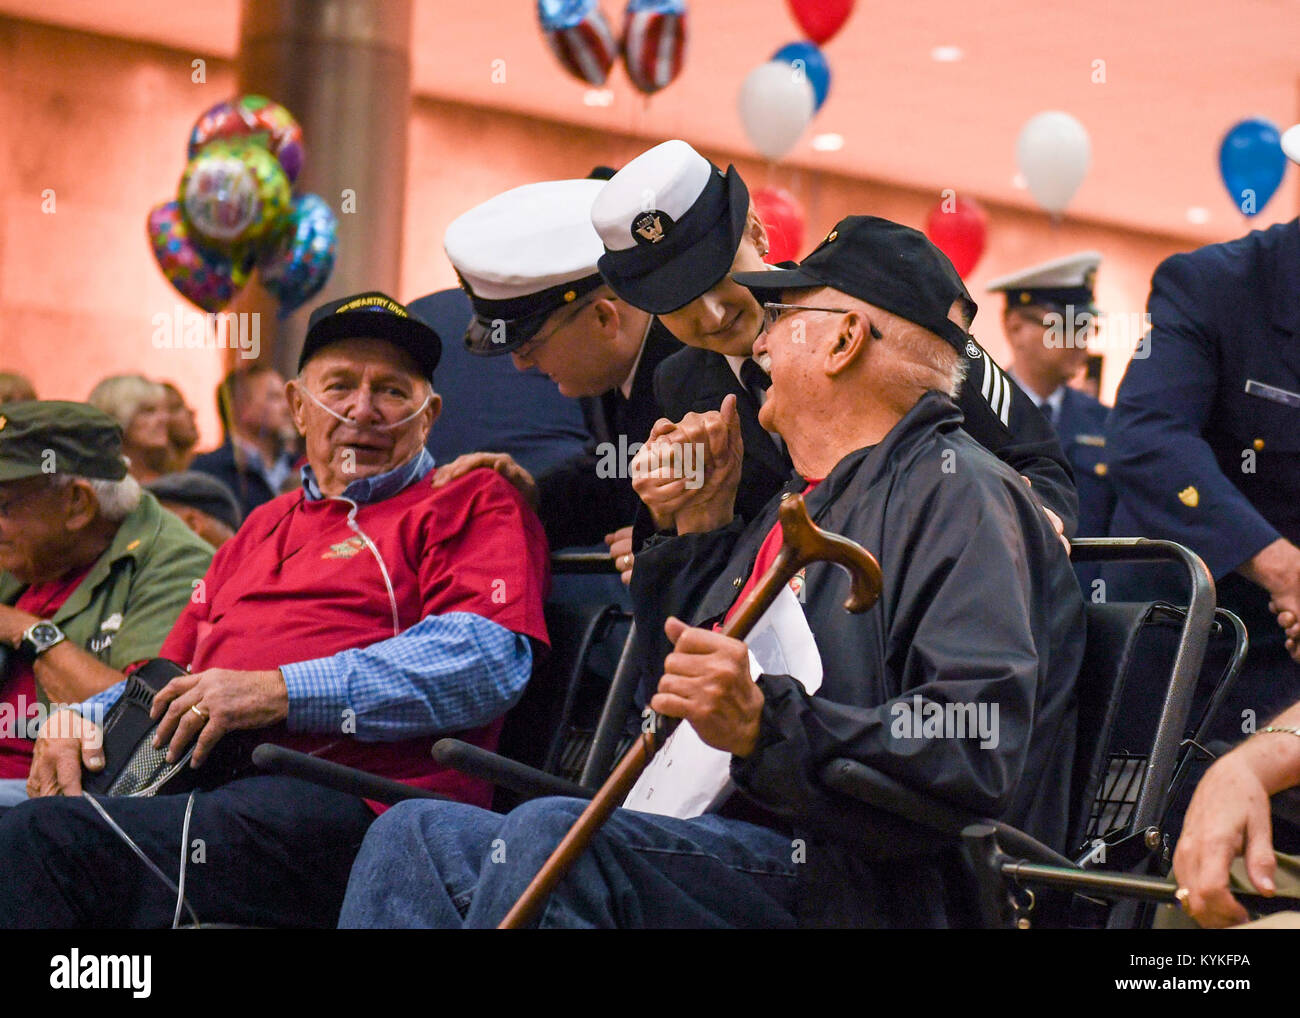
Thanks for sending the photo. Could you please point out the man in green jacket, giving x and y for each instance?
(93, 571)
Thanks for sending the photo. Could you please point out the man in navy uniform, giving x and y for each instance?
(527, 259)
(675, 227)
(1049, 317)
(1204, 443)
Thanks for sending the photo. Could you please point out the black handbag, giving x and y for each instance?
(131, 764)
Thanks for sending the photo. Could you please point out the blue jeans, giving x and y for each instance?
(445, 865)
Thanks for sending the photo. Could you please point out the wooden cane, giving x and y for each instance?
(802, 543)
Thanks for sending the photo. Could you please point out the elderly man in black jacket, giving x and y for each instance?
(980, 618)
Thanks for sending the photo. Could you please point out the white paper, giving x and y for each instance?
(687, 777)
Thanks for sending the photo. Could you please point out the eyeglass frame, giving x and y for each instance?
(532, 344)
(769, 320)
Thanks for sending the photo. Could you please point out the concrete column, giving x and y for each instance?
(343, 68)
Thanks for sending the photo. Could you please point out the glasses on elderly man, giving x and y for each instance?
(773, 312)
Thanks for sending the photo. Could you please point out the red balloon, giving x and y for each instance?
(821, 19)
(959, 228)
(783, 216)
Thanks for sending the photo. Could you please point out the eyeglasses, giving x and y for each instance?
(534, 343)
(773, 312)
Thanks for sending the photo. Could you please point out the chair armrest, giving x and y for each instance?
(582, 563)
(527, 781)
(278, 760)
(870, 786)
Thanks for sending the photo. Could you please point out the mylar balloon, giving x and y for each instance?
(783, 217)
(776, 103)
(1053, 152)
(959, 228)
(233, 194)
(580, 37)
(821, 19)
(654, 42)
(257, 118)
(202, 277)
(807, 59)
(302, 258)
(1252, 163)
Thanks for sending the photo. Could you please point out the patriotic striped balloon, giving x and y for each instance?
(580, 37)
(654, 42)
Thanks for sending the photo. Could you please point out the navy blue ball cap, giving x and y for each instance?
(372, 315)
(883, 263)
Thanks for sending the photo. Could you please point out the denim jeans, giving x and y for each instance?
(446, 865)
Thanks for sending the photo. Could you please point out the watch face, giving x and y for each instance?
(44, 634)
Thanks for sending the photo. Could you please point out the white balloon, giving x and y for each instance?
(776, 104)
(1291, 143)
(1053, 152)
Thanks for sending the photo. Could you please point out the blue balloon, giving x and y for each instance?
(1252, 163)
(805, 56)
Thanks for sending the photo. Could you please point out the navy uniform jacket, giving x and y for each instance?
(1195, 457)
(979, 605)
(490, 406)
(998, 415)
(1081, 427)
(581, 500)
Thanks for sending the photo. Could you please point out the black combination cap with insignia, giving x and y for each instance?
(372, 315)
(1062, 282)
(521, 257)
(50, 436)
(671, 223)
(883, 263)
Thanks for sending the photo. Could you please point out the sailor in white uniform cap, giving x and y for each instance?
(527, 259)
(675, 229)
(1050, 315)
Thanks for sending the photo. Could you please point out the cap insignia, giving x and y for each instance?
(1190, 497)
(651, 227)
(570, 296)
(373, 304)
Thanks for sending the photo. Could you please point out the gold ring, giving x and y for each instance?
(199, 711)
(1181, 895)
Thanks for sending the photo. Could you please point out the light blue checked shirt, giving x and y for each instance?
(444, 674)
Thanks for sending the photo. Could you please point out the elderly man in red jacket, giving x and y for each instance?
(356, 619)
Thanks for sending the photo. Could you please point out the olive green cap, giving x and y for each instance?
(51, 436)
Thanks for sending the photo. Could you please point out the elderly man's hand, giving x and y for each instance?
(501, 462)
(210, 703)
(688, 473)
(706, 681)
(1228, 817)
(66, 742)
(13, 623)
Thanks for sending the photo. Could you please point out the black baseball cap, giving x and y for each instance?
(372, 315)
(198, 491)
(52, 436)
(883, 263)
(671, 223)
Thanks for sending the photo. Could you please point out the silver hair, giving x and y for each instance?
(122, 396)
(116, 499)
(927, 361)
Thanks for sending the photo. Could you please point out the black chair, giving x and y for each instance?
(1134, 739)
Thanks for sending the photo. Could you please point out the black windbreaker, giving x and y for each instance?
(979, 606)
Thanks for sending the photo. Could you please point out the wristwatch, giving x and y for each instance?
(40, 637)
